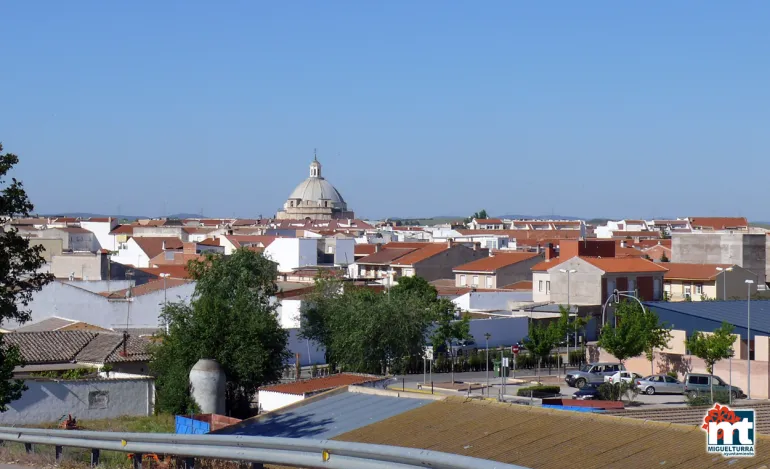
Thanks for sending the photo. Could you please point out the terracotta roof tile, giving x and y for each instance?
(364, 249)
(528, 234)
(209, 242)
(524, 285)
(321, 384)
(385, 256)
(73, 230)
(49, 346)
(628, 252)
(489, 221)
(123, 229)
(719, 223)
(153, 246)
(250, 240)
(635, 234)
(419, 255)
(681, 271)
(493, 263)
(175, 271)
(545, 265)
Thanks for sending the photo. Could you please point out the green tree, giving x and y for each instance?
(657, 335)
(449, 329)
(364, 330)
(712, 347)
(19, 276)
(416, 286)
(480, 215)
(230, 318)
(629, 338)
(542, 338)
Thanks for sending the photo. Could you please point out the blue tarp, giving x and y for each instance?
(573, 408)
(188, 426)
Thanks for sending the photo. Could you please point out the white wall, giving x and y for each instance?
(289, 312)
(502, 331)
(291, 253)
(67, 301)
(101, 231)
(269, 400)
(132, 254)
(47, 401)
(344, 253)
(97, 286)
(537, 295)
(491, 301)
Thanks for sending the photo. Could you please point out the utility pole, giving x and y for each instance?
(486, 365)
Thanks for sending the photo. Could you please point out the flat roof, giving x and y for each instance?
(732, 312)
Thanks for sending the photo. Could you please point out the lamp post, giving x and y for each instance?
(165, 296)
(748, 336)
(569, 311)
(486, 366)
(617, 294)
(724, 281)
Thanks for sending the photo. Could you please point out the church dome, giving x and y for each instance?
(317, 189)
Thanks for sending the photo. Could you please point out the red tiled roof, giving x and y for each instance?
(320, 384)
(149, 287)
(97, 220)
(489, 221)
(719, 223)
(407, 245)
(197, 229)
(209, 242)
(385, 256)
(250, 240)
(123, 229)
(636, 234)
(421, 254)
(153, 246)
(681, 271)
(364, 249)
(628, 252)
(615, 265)
(493, 263)
(527, 234)
(179, 258)
(174, 271)
(524, 285)
(547, 264)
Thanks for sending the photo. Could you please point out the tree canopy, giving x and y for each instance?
(638, 331)
(713, 347)
(19, 276)
(230, 318)
(366, 330)
(480, 215)
(543, 338)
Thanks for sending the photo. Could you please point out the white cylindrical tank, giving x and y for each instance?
(207, 380)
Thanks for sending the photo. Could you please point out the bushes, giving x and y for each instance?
(538, 391)
(617, 391)
(704, 399)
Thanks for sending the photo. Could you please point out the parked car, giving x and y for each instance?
(697, 383)
(625, 376)
(588, 392)
(662, 384)
(592, 373)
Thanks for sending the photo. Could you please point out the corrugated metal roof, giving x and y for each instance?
(548, 439)
(733, 312)
(327, 417)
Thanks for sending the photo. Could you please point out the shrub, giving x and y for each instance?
(538, 391)
(617, 391)
(704, 399)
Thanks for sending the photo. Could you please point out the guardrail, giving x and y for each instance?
(296, 452)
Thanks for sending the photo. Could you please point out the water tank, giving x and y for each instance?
(208, 386)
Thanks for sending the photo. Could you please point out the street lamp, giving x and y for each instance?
(616, 295)
(569, 311)
(165, 297)
(486, 366)
(748, 335)
(724, 281)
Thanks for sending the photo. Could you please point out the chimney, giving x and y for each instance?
(477, 246)
(377, 247)
(623, 243)
(450, 242)
(550, 252)
(537, 248)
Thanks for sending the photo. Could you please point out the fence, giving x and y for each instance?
(473, 360)
(295, 452)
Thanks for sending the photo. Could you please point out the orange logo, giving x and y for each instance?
(717, 415)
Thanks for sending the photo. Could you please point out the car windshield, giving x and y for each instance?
(585, 368)
(588, 387)
(719, 381)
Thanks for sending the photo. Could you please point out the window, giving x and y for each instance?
(540, 285)
(462, 280)
(669, 379)
(548, 286)
(475, 280)
(489, 281)
(122, 246)
(329, 249)
(687, 290)
(698, 288)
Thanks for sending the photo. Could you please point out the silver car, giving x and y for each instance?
(660, 384)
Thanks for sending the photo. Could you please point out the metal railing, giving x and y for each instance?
(296, 452)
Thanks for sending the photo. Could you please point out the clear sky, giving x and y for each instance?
(417, 108)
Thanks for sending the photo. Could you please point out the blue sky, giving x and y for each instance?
(634, 109)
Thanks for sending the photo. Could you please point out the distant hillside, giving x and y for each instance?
(121, 217)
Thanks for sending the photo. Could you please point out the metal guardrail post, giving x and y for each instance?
(95, 457)
(58, 451)
(138, 460)
(189, 463)
(28, 448)
(257, 465)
